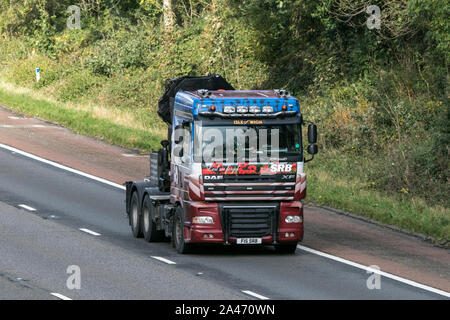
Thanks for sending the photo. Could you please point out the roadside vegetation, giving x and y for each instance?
(378, 96)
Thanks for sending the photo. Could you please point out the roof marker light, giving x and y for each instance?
(229, 109)
(267, 109)
(254, 109)
(242, 109)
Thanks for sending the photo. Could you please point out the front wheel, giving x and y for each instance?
(178, 233)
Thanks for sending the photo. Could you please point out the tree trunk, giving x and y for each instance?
(169, 16)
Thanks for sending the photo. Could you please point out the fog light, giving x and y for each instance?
(211, 236)
(203, 220)
(286, 235)
(267, 109)
(293, 219)
(291, 234)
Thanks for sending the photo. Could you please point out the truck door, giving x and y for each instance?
(181, 157)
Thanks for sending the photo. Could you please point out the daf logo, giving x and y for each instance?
(287, 176)
(213, 177)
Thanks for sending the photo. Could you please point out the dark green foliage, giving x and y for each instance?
(375, 94)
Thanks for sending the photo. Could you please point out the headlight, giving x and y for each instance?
(293, 219)
(203, 220)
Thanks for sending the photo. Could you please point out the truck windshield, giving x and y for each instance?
(248, 143)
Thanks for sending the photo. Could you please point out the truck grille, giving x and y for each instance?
(257, 178)
(249, 191)
(249, 222)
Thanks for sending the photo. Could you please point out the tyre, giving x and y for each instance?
(135, 217)
(288, 248)
(178, 233)
(151, 234)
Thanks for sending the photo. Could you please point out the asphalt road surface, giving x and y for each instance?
(43, 208)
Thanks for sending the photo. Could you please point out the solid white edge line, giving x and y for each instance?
(90, 231)
(19, 126)
(132, 155)
(164, 260)
(60, 296)
(255, 295)
(60, 166)
(27, 207)
(372, 270)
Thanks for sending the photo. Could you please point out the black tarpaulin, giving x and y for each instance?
(172, 86)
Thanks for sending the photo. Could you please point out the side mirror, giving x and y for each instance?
(312, 134)
(313, 149)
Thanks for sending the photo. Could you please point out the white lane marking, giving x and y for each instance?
(14, 118)
(254, 294)
(163, 260)
(382, 273)
(132, 155)
(90, 232)
(60, 296)
(25, 126)
(27, 207)
(60, 166)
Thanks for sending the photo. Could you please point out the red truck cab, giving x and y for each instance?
(231, 172)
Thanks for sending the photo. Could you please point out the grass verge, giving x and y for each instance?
(325, 186)
(80, 121)
(352, 195)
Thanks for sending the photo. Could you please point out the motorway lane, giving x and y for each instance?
(40, 252)
(78, 202)
(13, 288)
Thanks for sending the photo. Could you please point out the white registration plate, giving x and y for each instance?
(249, 241)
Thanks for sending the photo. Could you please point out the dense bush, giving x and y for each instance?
(379, 96)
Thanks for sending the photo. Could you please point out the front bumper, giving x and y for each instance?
(222, 231)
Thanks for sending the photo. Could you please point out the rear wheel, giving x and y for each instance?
(151, 234)
(135, 218)
(178, 233)
(287, 248)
